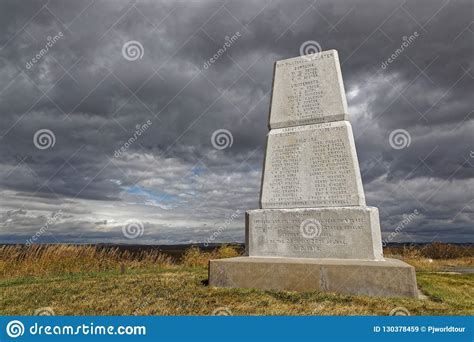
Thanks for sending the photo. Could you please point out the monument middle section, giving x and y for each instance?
(311, 166)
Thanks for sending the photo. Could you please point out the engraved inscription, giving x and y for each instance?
(308, 91)
(285, 231)
(311, 166)
(345, 233)
(305, 94)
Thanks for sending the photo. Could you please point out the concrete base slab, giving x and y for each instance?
(387, 278)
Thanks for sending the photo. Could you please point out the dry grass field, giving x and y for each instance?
(86, 280)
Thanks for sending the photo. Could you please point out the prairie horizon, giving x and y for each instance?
(236, 158)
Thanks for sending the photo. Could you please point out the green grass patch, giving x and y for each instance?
(183, 291)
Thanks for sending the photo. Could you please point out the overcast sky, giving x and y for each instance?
(90, 91)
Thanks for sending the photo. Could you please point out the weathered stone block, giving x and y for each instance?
(388, 278)
(334, 233)
(312, 166)
(307, 90)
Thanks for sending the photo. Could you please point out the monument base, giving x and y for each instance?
(387, 278)
(328, 232)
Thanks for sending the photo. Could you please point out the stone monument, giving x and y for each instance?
(314, 230)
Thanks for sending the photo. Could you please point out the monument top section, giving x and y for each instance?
(308, 90)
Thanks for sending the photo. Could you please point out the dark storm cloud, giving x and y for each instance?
(171, 177)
